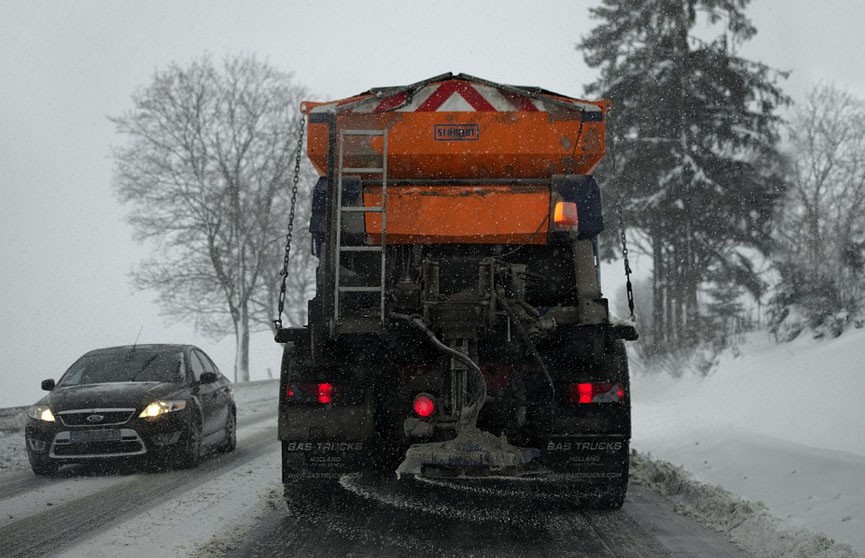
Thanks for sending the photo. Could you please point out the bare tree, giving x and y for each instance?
(207, 168)
(821, 233)
(300, 281)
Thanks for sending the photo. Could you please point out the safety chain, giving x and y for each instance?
(295, 179)
(620, 211)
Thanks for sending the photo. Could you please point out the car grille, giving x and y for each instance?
(88, 417)
(99, 449)
(123, 442)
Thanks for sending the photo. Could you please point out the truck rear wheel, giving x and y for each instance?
(309, 496)
(613, 498)
(611, 495)
(387, 458)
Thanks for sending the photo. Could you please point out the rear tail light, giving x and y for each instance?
(424, 405)
(323, 393)
(596, 392)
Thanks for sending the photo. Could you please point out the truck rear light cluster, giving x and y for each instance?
(424, 405)
(325, 393)
(322, 393)
(596, 392)
(565, 216)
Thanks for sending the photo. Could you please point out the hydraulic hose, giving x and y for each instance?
(473, 409)
(529, 343)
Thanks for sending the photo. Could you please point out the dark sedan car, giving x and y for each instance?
(164, 402)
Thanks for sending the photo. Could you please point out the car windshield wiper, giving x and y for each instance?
(144, 366)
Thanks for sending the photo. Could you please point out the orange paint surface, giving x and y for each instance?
(507, 135)
(491, 214)
(500, 145)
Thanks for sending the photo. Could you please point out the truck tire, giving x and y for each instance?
(309, 497)
(388, 451)
(602, 482)
(613, 498)
(612, 495)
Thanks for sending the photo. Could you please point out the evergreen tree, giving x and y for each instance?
(692, 145)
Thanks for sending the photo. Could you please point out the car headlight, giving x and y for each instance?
(159, 408)
(41, 412)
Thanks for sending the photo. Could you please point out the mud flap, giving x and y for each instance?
(324, 459)
(587, 460)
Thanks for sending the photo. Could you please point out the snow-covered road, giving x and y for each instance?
(233, 505)
(369, 517)
(80, 512)
(769, 451)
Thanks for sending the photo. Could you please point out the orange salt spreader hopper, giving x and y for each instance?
(468, 160)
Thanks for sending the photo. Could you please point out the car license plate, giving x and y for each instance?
(88, 436)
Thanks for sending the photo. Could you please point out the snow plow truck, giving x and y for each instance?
(458, 328)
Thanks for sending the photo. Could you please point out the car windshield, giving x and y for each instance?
(127, 366)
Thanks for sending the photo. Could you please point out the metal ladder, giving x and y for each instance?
(342, 170)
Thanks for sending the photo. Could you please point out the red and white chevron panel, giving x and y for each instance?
(452, 95)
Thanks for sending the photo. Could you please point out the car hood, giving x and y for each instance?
(133, 395)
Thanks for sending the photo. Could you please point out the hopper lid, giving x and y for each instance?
(456, 93)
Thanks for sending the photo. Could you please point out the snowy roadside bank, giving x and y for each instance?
(779, 426)
(748, 524)
(12, 419)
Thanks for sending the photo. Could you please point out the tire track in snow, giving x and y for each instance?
(62, 525)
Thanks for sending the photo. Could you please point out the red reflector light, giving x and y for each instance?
(424, 405)
(325, 393)
(596, 392)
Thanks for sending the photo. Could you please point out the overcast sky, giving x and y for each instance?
(65, 250)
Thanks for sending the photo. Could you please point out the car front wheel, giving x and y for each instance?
(230, 442)
(190, 451)
(42, 468)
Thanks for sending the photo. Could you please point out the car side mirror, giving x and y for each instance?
(48, 385)
(207, 378)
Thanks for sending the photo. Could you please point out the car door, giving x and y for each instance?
(207, 394)
(222, 391)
